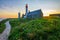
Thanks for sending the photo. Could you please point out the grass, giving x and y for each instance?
(39, 29)
(2, 25)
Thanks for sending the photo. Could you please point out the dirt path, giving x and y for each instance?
(6, 32)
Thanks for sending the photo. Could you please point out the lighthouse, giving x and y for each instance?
(26, 9)
(33, 14)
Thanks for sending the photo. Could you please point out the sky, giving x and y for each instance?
(10, 8)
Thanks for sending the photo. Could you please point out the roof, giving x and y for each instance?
(36, 12)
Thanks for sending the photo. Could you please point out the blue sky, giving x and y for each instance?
(14, 6)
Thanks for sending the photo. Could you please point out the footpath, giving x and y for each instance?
(6, 32)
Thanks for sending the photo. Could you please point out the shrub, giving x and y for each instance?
(39, 29)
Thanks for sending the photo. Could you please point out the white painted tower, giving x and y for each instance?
(26, 9)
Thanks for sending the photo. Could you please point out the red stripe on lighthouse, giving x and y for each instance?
(26, 5)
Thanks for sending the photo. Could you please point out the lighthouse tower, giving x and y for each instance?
(26, 9)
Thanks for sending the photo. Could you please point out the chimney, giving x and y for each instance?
(19, 16)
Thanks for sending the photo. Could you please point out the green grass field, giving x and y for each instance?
(38, 29)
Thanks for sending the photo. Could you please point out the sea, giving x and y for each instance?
(2, 19)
